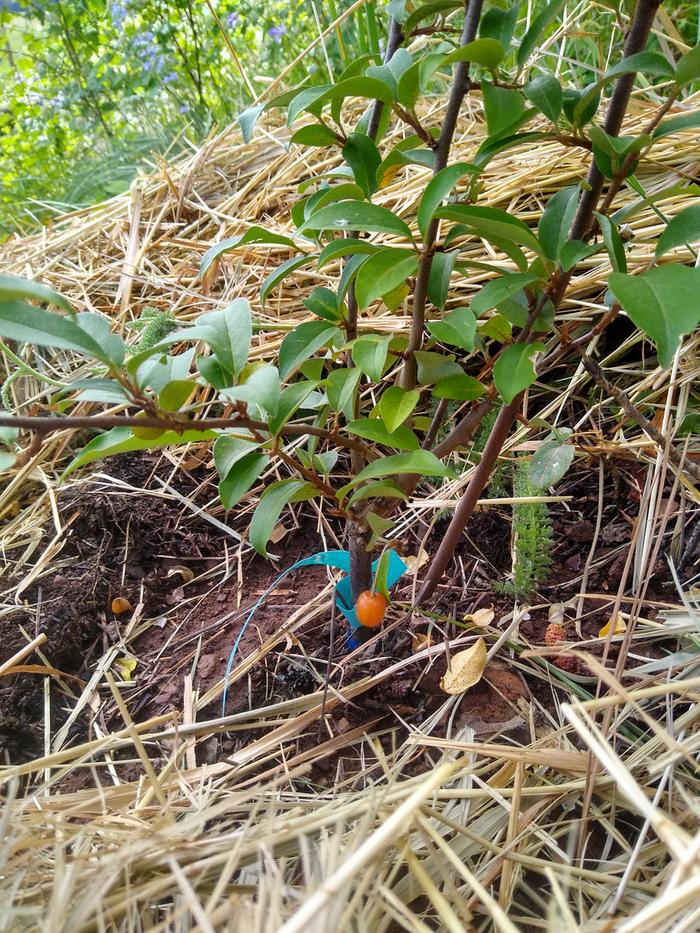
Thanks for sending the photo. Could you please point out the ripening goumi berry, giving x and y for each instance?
(370, 609)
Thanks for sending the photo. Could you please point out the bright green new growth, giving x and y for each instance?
(531, 536)
(154, 325)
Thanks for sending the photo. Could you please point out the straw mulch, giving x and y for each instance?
(435, 828)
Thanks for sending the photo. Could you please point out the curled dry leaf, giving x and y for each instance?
(619, 628)
(125, 667)
(186, 573)
(120, 605)
(481, 616)
(416, 561)
(420, 641)
(466, 668)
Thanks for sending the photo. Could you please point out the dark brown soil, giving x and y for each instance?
(134, 546)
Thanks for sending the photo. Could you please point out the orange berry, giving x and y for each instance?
(120, 605)
(370, 609)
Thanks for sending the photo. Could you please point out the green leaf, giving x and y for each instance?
(358, 86)
(550, 462)
(269, 509)
(317, 134)
(280, 273)
(174, 395)
(229, 449)
(491, 221)
(429, 11)
(573, 251)
(486, 52)
(358, 215)
(503, 107)
(545, 93)
(395, 405)
(8, 435)
(556, 220)
(613, 243)
(341, 386)
(537, 30)
(228, 332)
(499, 24)
(323, 302)
(363, 157)
(683, 229)
(433, 367)
(211, 371)
(15, 287)
(651, 63)
(328, 194)
(688, 67)
(261, 388)
(373, 429)
(247, 120)
(461, 388)
(610, 152)
(370, 354)
(437, 190)
(417, 461)
(457, 329)
(303, 342)
(491, 147)
(292, 398)
(686, 121)
(570, 101)
(382, 273)
(379, 526)
(439, 278)
(241, 478)
(514, 370)
(497, 327)
(7, 461)
(122, 440)
(663, 303)
(345, 246)
(254, 234)
(28, 324)
(380, 489)
(498, 290)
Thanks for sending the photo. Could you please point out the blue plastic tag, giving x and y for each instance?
(343, 595)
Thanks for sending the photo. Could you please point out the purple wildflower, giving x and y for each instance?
(232, 20)
(184, 108)
(276, 32)
(168, 79)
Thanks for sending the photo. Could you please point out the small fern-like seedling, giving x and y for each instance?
(532, 539)
(153, 325)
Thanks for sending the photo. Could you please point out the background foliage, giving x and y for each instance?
(91, 89)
